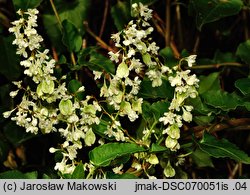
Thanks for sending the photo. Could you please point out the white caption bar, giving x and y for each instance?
(136, 187)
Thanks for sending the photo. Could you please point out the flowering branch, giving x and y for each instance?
(52, 108)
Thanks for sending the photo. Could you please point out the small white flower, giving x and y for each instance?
(191, 60)
(7, 114)
(97, 74)
(53, 150)
(14, 93)
(81, 89)
(117, 170)
(114, 56)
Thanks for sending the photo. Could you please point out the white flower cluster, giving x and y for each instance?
(185, 87)
(37, 64)
(137, 54)
(78, 127)
(135, 40)
(51, 108)
(39, 109)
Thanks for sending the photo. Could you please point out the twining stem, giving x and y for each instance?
(98, 39)
(208, 66)
(196, 44)
(179, 26)
(162, 31)
(168, 23)
(56, 14)
(104, 18)
(61, 29)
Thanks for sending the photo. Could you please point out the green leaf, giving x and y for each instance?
(158, 148)
(71, 37)
(208, 83)
(203, 120)
(95, 61)
(73, 86)
(168, 56)
(222, 149)
(163, 91)
(99, 62)
(243, 51)
(243, 85)
(201, 159)
(53, 31)
(104, 154)
(24, 5)
(121, 14)
(210, 11)
(154, 111)
(120, 160)
(74, 11)
(200, 107)
(78, 172)
(15, 134)
(222, 100)
(9, 61)
(14, 174)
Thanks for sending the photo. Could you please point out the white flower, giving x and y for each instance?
(53, 150)
(191, 60)
(114, 56)
(14, 93)
(192, 80)
(7, 114)
(117, 170)
(97, 74)
(169, 118)
(116, 38)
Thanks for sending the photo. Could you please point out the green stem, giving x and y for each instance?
(56, 14)
(209, 66)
